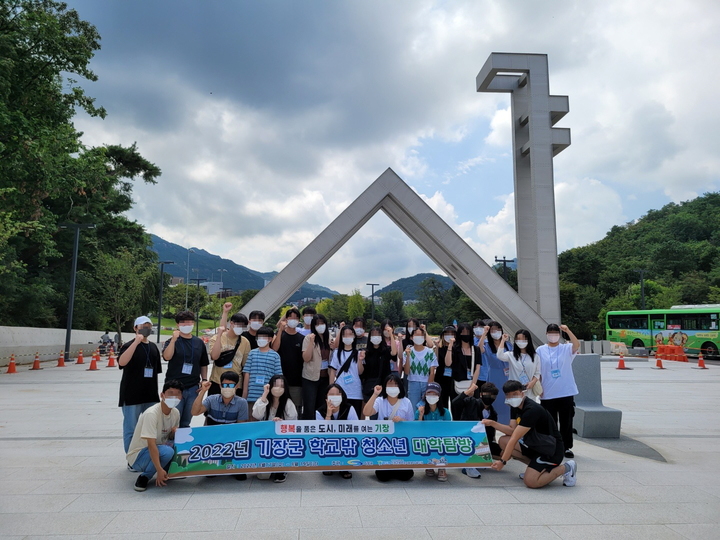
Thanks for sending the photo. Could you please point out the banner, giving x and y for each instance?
(309, 445)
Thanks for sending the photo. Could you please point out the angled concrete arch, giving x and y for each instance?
(423, 226)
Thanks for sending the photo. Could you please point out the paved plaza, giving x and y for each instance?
(63, 475)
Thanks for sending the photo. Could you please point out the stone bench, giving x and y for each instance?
(592, 418)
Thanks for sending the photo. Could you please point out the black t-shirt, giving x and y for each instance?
(252, 339)
(377, 363)
(534, 416)
(360, 344)
(291, 359)
(187, 351)
(135, 387)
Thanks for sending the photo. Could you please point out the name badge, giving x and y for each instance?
(187, 369)
(148, 372)
(348, 379)
(324, 364)
(260, 381)
(228, 366)
(555, 373)
(486, 413)
(524, 378)
(469, 375)
(506, 371)
(447, 372)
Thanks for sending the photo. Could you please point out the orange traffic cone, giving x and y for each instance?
(111, 360)
(93, 363)
(621, 363)
(61, 360)
(36, 363)
(701, 362)
(659, 364)
(11, 365)
(80, 359)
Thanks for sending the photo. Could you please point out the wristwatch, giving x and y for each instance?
(503, 461)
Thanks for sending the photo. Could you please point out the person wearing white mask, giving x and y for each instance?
(378, 357)
(433, 411)
(558, 381)
(228, 348)
(257, 319)
(336, 407)
(316, 362)
(151, 448)
(288, 344)
(307, 316)
(346, 367)
(420, 364)
(533, 438)
(188, 362)
(262, 364)
(389, 403)
(523, 362)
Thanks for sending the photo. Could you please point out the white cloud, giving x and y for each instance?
(500, 129)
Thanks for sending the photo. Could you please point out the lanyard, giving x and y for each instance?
(147, 355)
(557, 358)
(192, 352)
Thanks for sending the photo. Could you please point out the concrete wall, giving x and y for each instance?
(24, 342)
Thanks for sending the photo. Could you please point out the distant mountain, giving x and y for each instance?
(238, 277)
(408, 286)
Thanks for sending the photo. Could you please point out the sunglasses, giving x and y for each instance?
(228, 385)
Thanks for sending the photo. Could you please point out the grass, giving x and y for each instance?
(204, 324)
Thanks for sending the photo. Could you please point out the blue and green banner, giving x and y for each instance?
(308, 445)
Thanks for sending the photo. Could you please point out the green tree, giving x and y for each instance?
(356, 305)
(393, 306)
(433, 299)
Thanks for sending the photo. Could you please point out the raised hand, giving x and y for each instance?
(227, 306)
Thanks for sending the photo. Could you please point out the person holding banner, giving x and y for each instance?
(316, 360)
(533, 438)
(420, 365)
(347, 365)
(432, 410)
(279, 407)
(390, 403)
(337, 407)
(151, 448)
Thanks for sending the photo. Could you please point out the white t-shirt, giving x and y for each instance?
(384, 408)
(420, 364)
(349, 380)
(522, 370)
(556, 369)
(152, 424)
(352, 415)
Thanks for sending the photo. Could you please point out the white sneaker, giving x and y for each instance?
(570, 477)
(472, 473)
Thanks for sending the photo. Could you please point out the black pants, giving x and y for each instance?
(313, 396)
(357, 404)
(562, 410)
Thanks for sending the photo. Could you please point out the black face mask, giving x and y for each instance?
(488, 400)
(145, 331)
(465, 338)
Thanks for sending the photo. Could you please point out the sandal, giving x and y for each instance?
(347, 475)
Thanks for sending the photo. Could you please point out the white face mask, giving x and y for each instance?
(172, 402)
(359, 331)
(227, 392)
(320, 328)
(410, 329)
(307, 320)
(432, 400)
(478, 331)
(496, 335)
(292, 323)
(418, 340)
(387, 333)
(521, 344)
(242, 329)
(392, 391)
(238, 330)
(375, 340)
(186, 328)
(448, 338)
(348, 340)
(335, 401)
(553, 338)
(277, 391)
(262, 342)
(256, 325)
(513, 401)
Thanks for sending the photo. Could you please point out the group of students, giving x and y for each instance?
(300, 372)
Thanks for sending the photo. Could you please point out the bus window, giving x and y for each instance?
(658, 321)
(699, 321)
(628, 322)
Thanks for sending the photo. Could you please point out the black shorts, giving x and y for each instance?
(542, 463)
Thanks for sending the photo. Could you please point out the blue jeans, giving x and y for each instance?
(416, 389)
(131, 413)
(144, 464)
(185, 406)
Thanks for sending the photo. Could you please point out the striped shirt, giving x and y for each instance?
(236, 410)
(261, 366)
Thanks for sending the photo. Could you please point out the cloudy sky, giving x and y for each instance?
(269, 118)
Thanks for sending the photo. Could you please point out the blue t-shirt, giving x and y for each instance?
(261, 366)
(432, 416)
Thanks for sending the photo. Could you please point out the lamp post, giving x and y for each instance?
(221, 270)
(73, 275)
(187, 279)
(372, 299)
(504, 262)
(162, 284)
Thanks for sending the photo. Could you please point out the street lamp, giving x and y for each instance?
(372, 298)
(187, 279)
(162, 283)
(504, 262)
(221, 270)
(73, 275)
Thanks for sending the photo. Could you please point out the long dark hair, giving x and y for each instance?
(491, 341)
(344, 408)
(530, 349)
(398, 381)
(321, 340)
(439, 406)
(282, 400)
(460, 328)
(341, 344)
(407, 340)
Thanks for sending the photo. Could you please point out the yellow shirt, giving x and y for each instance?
(152, 424)
(228, 342)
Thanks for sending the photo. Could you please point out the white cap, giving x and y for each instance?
(142, 320)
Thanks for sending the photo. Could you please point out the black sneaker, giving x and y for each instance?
(280, 477)
(240, 476)
(141, 483)
(569, 454)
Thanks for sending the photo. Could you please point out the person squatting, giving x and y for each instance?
(472, 372)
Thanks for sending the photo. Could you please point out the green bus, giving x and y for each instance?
(692, 327)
